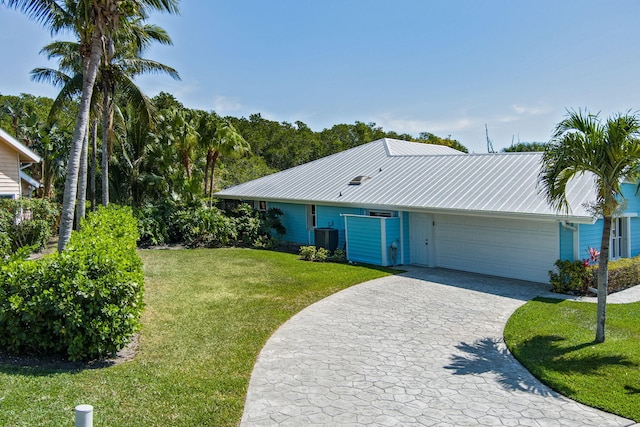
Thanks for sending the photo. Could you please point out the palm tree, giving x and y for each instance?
(98, 19)
(115, 76)
(219, 138)
(611, 153)
(119, 69)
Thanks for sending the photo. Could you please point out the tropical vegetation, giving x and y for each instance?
(610, 152)
(82, 303)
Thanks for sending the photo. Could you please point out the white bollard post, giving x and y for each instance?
(84, 416)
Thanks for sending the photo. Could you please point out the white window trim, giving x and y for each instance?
(312, 217)
(624, 247)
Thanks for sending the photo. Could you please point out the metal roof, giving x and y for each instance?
(414, 176)
(26, 155)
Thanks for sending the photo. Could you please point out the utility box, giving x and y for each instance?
(327, 238)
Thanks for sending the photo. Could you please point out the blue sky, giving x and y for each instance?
(447, 67)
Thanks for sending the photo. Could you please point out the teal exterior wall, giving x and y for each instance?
(392, 228)
(365, 239)
(566, 243)
(590, 235)
(406, 237)
(294, 219)
(330, 216)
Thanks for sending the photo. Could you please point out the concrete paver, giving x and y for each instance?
(419, 349)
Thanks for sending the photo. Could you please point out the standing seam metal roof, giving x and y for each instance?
(416, 176)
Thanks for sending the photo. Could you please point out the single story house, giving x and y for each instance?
(392, 202)
(14, 157)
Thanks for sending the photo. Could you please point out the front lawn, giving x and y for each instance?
(555, 341)
(208, 314)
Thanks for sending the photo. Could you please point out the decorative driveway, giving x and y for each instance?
(418, 349)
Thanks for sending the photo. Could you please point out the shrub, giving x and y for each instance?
(26, 223)
(311, 253)
(575, 278)
(339, 255)
(257, 228)
(572, 277)
(204, 227)
(83, 303)
(154, 223)
(322, 255)
(623, 273)
(308, 253)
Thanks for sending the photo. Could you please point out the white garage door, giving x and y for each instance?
(518, 249)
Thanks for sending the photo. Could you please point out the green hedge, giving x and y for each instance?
(84, 303)
(197, 225)
(26, 223)
(573, 277)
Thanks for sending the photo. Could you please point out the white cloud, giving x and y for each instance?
(531, 110)
(226, 105)
(414, 126)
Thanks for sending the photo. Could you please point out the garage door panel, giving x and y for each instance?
(510, 248)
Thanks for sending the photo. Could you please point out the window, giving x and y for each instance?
(262, 205)
(311, 216)
(618, 244)
(384, 214)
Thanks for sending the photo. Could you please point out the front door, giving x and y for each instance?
(420, 231)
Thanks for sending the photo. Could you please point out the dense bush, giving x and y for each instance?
(574, 277)
(311, 253)
(83, 303)
(623, 273)
(204, 227)
(26, 223)
(196, 225)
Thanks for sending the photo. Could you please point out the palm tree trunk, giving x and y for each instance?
(90, 71)
(214, 160)
(82, 183)
(94, 155)
(207, 166)
(603, 279)
(105, 148)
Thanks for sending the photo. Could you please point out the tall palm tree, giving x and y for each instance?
(115, 75)
(219, 138)
(611, 153)
(98, 18)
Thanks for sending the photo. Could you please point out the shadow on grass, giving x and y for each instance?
(546, 354)
(39, 366)
(490, 355)
(631, 389)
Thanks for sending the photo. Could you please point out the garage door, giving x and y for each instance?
(510, 248)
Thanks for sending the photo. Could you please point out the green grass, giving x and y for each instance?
(208, 314)
(556, 342)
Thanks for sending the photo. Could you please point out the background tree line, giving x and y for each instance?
(180, 153)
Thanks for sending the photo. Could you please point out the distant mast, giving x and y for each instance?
(490, 149)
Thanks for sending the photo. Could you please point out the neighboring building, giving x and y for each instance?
(14, 156)
(396, 202)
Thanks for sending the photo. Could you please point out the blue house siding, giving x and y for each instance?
(330, 216)
(392, 228)
(406, 237)
(566, 243)
(364, 239)
(634, 235)
(590, 237)
(294, 219)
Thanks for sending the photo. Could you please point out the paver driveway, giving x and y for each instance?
(421, 348)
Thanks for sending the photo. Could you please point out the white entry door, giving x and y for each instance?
(420, 236)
